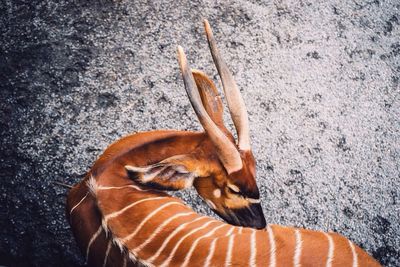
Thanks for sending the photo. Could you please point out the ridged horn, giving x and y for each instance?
(227, 152)
(235, 101)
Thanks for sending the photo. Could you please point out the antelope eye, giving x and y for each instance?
(231, 191)
(234, 189)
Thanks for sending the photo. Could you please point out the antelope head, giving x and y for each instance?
(222, 170)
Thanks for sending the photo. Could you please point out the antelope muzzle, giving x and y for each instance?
(251, 216)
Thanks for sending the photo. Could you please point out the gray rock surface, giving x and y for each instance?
(320, 80)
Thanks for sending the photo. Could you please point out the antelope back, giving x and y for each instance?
(119, 223)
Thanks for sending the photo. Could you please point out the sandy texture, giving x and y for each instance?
(320, 80)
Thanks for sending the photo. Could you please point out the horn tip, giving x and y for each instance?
(180, 49)
(207, 27)
(181, 53)
(182, 59)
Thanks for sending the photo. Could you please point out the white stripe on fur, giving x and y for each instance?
(331, 250)
(253, 248)
(297, 250)
(74, 207)
(172, 254)
(354, 252)
(159, 229)
(272, 251)
(148, 217)
(92, 239)
(165, 243)
(191, 250)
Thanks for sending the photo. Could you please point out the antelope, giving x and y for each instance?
(121, 216)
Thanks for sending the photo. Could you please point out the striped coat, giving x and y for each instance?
(117, 223)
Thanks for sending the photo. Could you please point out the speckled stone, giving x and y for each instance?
(320, 80)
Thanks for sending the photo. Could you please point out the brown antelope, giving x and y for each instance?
(120, 216)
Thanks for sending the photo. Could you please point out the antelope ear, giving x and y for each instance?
(174, 173)
(209, 96)
(211, 100)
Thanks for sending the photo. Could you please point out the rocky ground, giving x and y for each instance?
(320, 79)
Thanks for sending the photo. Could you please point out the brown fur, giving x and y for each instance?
(86, 220)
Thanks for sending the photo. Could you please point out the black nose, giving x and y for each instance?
(251, 216)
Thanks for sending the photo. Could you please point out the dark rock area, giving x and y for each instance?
(320, 80)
